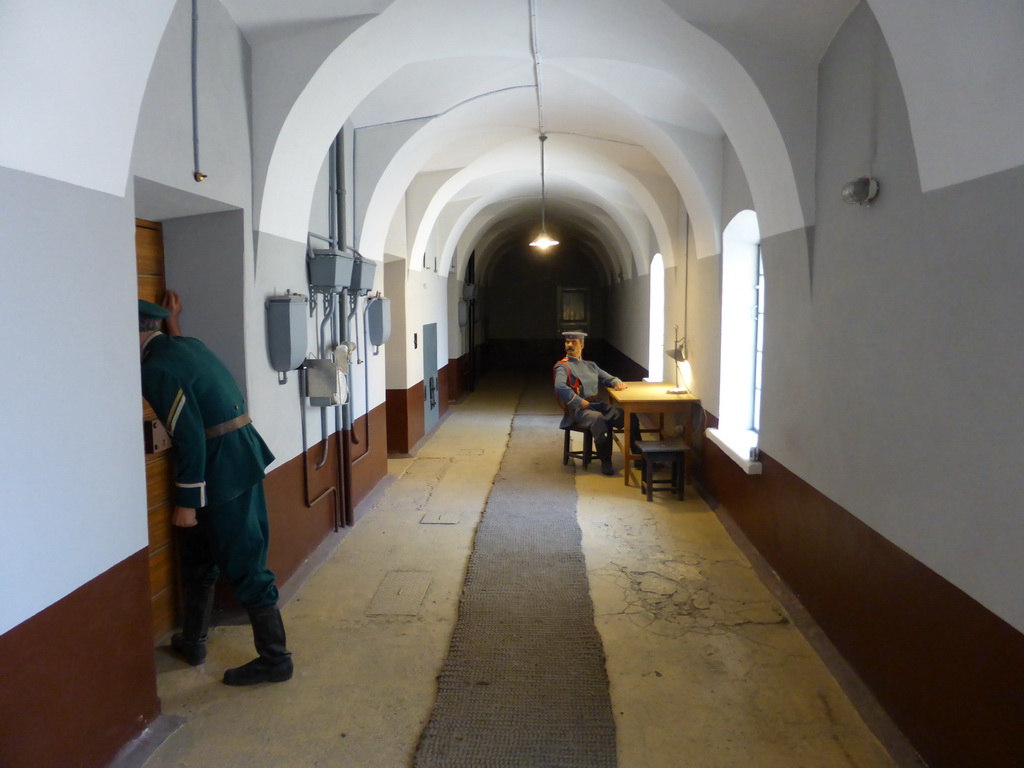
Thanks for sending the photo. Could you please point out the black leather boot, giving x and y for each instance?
(274, 664)
(603, 448)
(190, 643)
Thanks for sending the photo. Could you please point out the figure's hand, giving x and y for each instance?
(584, 404)
(172, 303)
(184, 517)
(621, 385)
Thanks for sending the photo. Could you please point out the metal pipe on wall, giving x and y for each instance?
(332, 186)
(338, 514)
(343, 421)
(343, 417)
(328, 312)
(339, 187)
(353, 303)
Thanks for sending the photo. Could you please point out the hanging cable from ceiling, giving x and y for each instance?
(535, 50)
(197, 174)
(543, 241)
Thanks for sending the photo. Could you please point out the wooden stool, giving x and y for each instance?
(586, 453)
(671, 451)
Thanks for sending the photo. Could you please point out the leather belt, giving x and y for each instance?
(228, 426)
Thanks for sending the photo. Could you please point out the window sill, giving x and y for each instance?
(739, 445)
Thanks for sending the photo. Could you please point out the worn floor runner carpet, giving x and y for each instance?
(524, 684)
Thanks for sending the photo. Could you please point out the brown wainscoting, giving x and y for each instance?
(302, 511)
(947, 670)
(397, 403)
(459, 371)
(79, 678)
(372, 463)
(455, 380)
(404, 418)
(443, 390)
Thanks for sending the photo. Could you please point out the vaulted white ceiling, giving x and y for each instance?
(640, 98)
(637, 99)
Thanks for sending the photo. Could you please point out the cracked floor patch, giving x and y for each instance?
(674, 596)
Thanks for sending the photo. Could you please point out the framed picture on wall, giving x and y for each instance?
(573, 309)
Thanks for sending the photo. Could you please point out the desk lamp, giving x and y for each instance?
(678, 355)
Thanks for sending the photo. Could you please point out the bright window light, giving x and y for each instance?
(742, 324)
(656, 349)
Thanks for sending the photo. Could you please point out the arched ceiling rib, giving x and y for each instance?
(615, 81)
(574, 173)
(593, 144)
(298, 108)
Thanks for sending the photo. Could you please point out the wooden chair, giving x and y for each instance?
(586, 453)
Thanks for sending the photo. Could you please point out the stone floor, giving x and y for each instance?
(708, 669)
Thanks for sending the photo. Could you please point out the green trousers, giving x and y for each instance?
(231, 538)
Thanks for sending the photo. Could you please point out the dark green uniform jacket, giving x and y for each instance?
(218, 453)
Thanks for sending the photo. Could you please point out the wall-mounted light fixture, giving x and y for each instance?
(860, 191)
(543, 241)
(677, 354)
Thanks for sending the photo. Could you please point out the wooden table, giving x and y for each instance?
(645, 397)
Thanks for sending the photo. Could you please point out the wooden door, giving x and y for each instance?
(163, 556)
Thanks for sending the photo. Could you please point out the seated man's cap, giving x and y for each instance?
(574, 334)
(152, 311)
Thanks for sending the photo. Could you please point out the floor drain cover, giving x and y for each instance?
(400, 594)
(450, 517)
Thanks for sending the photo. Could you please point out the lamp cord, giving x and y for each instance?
(543, 223)
(535, 52)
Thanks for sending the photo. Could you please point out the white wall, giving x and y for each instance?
(396, 371)
(76, 496)
(73, 478)
(458, 336)
(426, 301)
(905, 335)
(163, 150)
(628, 321)
(71, 97)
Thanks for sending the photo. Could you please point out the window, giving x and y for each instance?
(758, 341)
(656, 344)
(743, 295)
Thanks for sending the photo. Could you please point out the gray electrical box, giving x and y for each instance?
(325, 384)
(286, 331)
(362, 276)
(378, 321)
(330, 270)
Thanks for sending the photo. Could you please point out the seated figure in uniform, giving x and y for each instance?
(578, 384)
